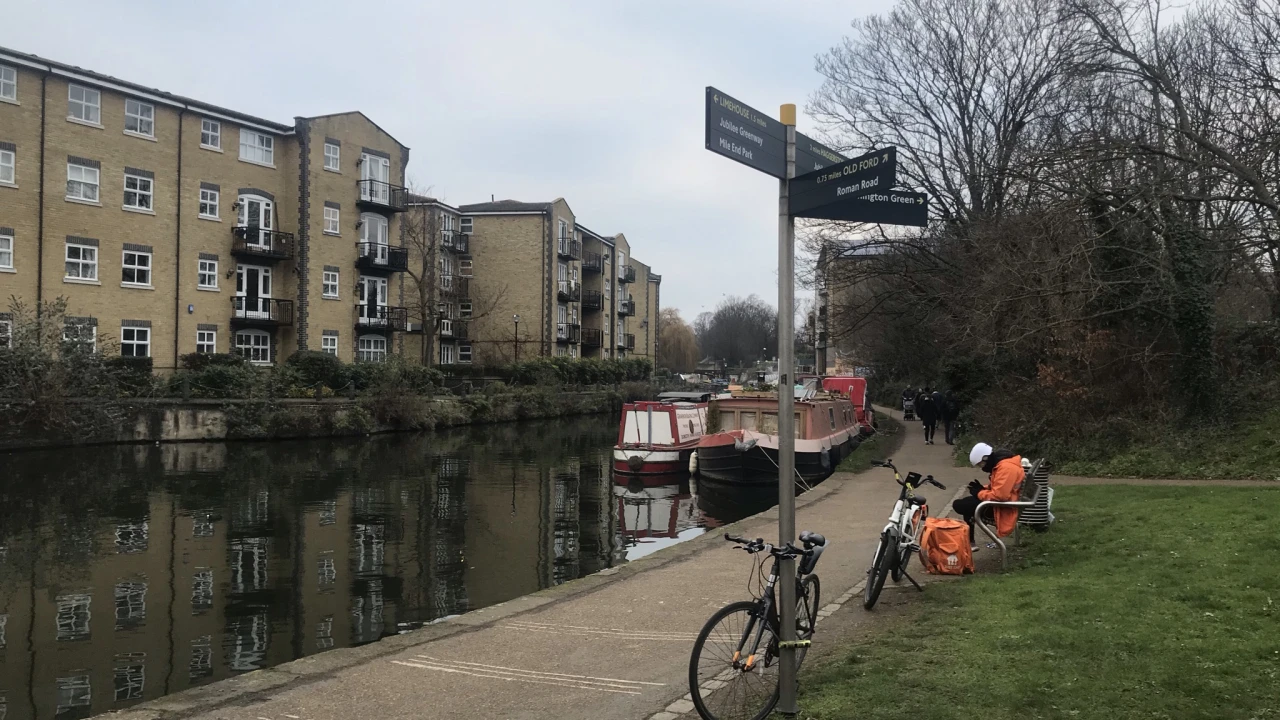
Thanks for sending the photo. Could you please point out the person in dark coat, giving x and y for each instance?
(950, 411)
(927, 411)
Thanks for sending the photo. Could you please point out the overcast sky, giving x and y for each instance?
(599, 102)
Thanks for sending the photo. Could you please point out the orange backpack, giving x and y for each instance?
(944, 547)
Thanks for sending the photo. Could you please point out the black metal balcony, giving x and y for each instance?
(591, 337)
(569, 291)
(626, 308)
(627, 342)
(381, 318)
(455, 286)
(591, 262)
(380, 258)
(568, 332)
(592, 300)
(260, 312)
(451, 329)
(381, 196)
(256, 243)
(455, 242)
(569, 249)
(627, 274)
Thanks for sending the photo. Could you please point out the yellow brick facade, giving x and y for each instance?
(173, 304)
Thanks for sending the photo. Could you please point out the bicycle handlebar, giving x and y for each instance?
(759, 545)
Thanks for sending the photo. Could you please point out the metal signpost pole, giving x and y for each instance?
(787, 422)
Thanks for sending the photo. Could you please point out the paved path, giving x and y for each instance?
(614, 645)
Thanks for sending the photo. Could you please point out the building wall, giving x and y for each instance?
(510, 256)
(622, 256)
(561, 212)
(639, 323)
(594, 282)
(20, 206)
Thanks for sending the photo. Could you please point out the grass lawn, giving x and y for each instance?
(1143, 602)
(878, 447)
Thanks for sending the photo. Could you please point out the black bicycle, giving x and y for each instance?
(733, 671)
(900, 538)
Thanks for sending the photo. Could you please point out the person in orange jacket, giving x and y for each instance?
(1005, 475)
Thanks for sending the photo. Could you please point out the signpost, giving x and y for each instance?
(831, 187)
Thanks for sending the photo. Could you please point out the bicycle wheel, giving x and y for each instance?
(719, 690)
(886, 553)
(807, 603)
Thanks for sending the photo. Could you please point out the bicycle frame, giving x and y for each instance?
(899, 520)
(767, 613)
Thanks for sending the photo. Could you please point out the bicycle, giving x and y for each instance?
(733, 670)
(900, 538)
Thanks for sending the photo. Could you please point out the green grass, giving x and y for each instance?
(878, 447)
(1250, 449)
(1143, 602)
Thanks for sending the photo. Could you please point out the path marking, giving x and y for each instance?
(600, 632)
(498, 672)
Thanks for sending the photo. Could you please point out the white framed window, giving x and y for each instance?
(82, 262)
(73, 616)
(332, 157)
(8, 83)
(332, 224)
(464, 309)
(371, 348)
(329, 344)
(82, 335)
(84, 104)
(622, 261)
(6, 340)
(207, 274)
(465, 225)
(135, 268)
(6, 251)
(464, 353)
(606, 326)
(73, 692)
(329, 284)
(209, 203)
(138, 192)
(465, 268)
(82, 183)
(608, 289)
(131, 604)
(8, 167)
(130, 675)
(207, 341)
(446, 355)
(210, 134)
(254, 346)
(139, 118)
(135, 342)
(256, 147)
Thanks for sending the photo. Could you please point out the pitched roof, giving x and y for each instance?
(506, 206)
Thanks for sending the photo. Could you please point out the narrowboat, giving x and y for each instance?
(657, 437)
(742, 447)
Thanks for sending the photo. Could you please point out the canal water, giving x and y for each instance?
(131, 572)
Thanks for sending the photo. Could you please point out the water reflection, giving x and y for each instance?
(128, 573)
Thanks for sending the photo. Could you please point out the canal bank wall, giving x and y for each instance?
(163, 420)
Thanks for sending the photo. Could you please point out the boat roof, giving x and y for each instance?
(686, 396)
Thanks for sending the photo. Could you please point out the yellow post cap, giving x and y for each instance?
(787, 114)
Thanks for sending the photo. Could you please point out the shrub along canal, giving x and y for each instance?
(131, 572)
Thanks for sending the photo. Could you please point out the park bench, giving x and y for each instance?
(1033, 505)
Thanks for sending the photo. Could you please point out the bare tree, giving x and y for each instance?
(677, 345)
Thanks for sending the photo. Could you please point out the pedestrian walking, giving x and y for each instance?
(950, 410)
(927, 411)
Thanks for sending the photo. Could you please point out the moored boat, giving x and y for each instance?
(657, 437)
(743, 447)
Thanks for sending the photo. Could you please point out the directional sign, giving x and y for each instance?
(740, 132)
(895, 207)
(812, 155)
(874, 172)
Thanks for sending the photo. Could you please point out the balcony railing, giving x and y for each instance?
(383, 196)
(260, 312)
(381, 317)
(568, 332)
(569, 291)
(569, 248)
(627, 342)
(592, 337)
(261, 244)
(592, 300)
(627, 274)
(457, 242)
(626, 307)
(379, 257)
(457, 286)
(591, 262)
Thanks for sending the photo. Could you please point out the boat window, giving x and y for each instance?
(832, 413)
(748, 421)
(799, 427)
(728, 421)
(769, 423)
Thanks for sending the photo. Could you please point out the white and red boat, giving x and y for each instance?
(657, 437)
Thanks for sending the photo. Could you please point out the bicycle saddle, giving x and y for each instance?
(918, 500)
(812, 538)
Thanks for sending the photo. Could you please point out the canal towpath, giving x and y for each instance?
(612, 645)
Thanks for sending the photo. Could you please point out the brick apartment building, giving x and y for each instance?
(173, 226)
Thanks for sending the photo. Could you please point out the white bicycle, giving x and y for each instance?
(900, 538)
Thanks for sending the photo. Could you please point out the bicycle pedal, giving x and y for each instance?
(913, 548)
